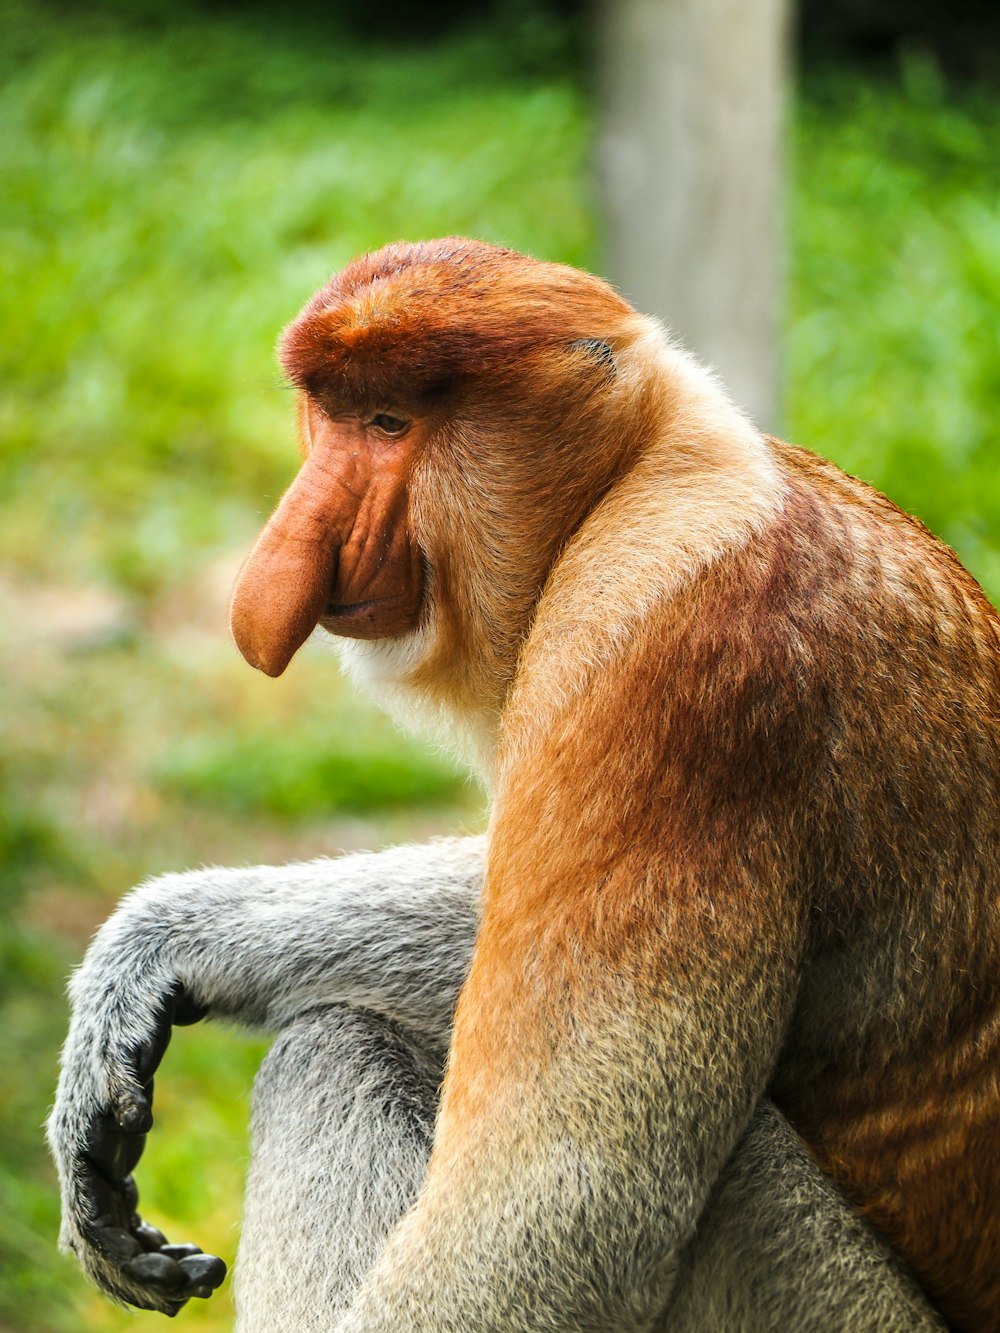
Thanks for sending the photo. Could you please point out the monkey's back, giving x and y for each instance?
(891, 1068)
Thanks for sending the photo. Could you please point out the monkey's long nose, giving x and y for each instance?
(286, 579)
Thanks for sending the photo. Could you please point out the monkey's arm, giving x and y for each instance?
(635, 972)
(389, 932)
(595, 1090)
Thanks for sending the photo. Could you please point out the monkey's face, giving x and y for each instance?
(339, 551)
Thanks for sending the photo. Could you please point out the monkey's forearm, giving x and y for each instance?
(389, 931)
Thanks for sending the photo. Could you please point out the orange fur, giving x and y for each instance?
(742, 720)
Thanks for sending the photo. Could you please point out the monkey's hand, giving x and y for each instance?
(97, 1131)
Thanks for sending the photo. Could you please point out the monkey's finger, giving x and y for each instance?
(144, 1059)
(157, 1271)
(105, 1203)
(183, 1250)
(153, 1276)
(149, 1237)
(132, 1108)
(114, 1226)
(112, 1150)
(115, 1243)
(187, 1010)
(131, 1259)
(161, 1275)
(203, 1273)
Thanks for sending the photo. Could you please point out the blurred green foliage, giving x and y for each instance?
(172, 193)
(177, 180)
(894, 346)
(258, 770)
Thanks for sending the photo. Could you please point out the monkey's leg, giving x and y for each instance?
(343, 1115)
(779, 1250)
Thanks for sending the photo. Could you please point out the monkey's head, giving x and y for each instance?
(461, 408)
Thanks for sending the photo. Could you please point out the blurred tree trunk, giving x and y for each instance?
(690, 161)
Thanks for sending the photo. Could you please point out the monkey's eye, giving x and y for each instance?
(389, 425)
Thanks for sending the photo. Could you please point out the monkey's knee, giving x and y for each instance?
(343, 1113)
(779, 1247)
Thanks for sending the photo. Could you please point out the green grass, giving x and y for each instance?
(173, 191)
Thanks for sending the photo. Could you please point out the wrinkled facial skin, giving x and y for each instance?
(339, 550)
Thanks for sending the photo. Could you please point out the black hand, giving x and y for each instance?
(169, 1274)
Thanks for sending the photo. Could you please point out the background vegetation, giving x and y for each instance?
(176, 183)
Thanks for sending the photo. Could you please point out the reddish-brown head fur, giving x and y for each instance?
(412, 323)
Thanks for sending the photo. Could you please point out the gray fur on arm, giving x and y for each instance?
(389, 932)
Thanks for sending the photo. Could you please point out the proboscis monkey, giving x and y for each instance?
(740, 719)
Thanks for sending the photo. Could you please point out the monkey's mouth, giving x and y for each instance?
(340, 610)
(373, 618)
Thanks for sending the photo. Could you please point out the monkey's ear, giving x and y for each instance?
(600, 352)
